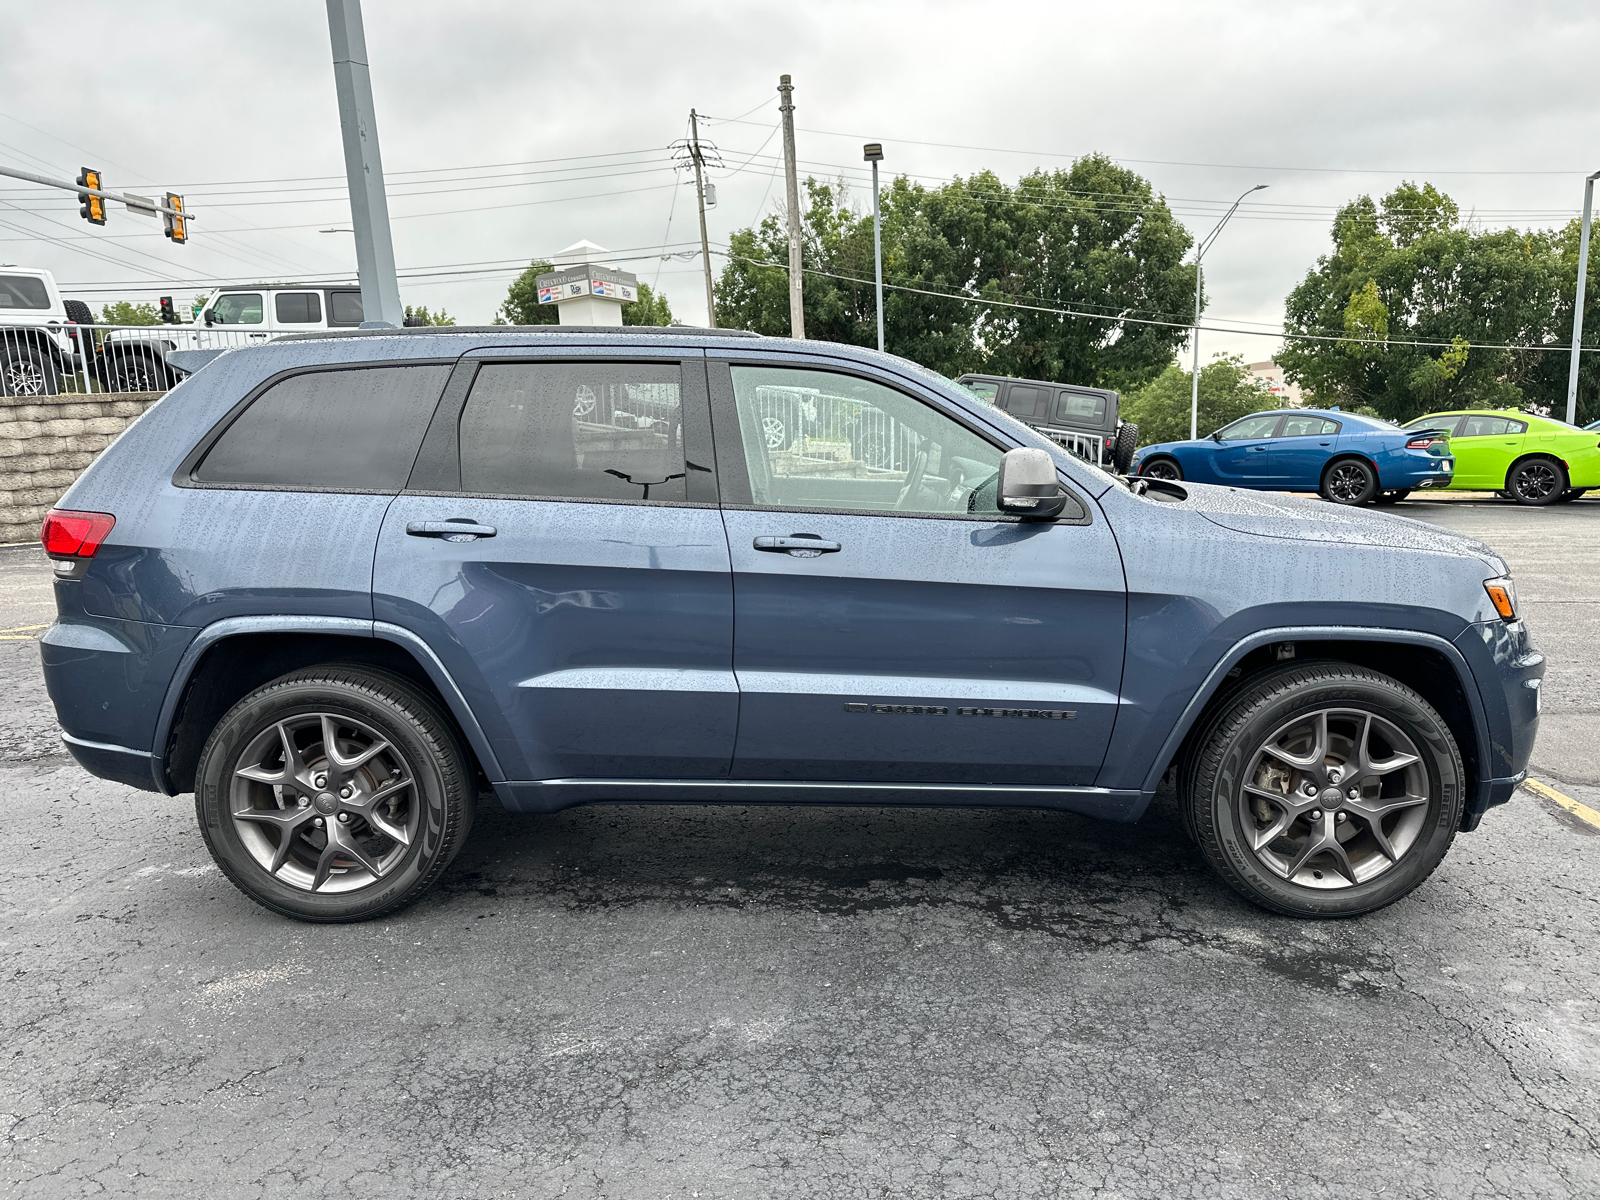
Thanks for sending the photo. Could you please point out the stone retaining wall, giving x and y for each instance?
(46, 442)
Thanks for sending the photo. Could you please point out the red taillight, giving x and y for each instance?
(1422, 443)
(74, 534)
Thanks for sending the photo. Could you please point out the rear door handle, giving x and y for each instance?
(450, 531)
(796, 547)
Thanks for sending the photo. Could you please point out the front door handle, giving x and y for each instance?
(450, 531)
(796, 546)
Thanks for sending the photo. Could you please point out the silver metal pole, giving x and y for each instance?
(363, 165)
(1577, 302)
(877, 248)
(797, 311)
(1194, 374)
(1199, 256)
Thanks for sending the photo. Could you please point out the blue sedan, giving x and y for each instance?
(1347, 458)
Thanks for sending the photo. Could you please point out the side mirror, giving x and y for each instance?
(1027, 485)
(1217, 436)
(211, 317)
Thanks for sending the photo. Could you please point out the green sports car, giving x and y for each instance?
(1534, 460)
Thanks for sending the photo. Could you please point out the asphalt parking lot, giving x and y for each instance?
(745, 1002)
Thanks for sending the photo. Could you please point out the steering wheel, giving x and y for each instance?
(919, 466)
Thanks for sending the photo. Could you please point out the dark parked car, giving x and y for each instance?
(1347, 458)
(1085, 420)
(337, 585)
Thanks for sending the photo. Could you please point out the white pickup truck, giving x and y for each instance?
(42, 336)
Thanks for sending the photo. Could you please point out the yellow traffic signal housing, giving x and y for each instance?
(177, 228)
(91, 208)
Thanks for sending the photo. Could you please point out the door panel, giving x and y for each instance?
(598, 636)
(936, 613)
(1485, 448)
(585, 606)
(924, 636)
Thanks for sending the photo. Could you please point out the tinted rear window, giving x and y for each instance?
(1027, 401)
(356, 429)
(23, 291)
(344, 308)
(1081, 406)
(298, 308)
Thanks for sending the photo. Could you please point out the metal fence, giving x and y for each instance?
(813, 424)
(57, 359)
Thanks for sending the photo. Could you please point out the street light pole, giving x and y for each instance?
(873, 153)
(1577, 303)
(1199, 256)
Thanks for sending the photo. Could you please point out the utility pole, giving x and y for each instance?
(1199, 255)
(1577, 303)
(700, 196)
(797, 311)
(363, 166)
(873, 153)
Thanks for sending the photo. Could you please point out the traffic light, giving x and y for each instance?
(177, 227)
(91, 208)
(169, 315)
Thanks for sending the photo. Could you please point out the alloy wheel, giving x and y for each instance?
(772, 431)
(1334, 798)
(324, 803)
(1160, 469)
(24, 378)
(1536, 480)
(1347, 482)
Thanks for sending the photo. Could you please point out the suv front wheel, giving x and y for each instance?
(334, 794)
(1324, 790)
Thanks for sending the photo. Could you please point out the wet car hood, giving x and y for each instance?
(1280, 516)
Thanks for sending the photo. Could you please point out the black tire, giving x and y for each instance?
(1571, 494)
(1392, 496)
(27, 370)
(1536, 481)
(136, 369)
(420, 743)
(1127, 441)
(1237, 741)
(78, 312)
(1349, 481)
(1162, 468)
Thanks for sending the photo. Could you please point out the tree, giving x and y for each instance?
(1092, 238)
(1407, 270)
(522, 307)
(423, 317)
(1227, 392)
(124, 313)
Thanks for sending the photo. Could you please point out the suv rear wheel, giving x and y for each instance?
(1324, 790)
(334, 794)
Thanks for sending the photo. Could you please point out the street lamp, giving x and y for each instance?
(1577, 303)
(872, 152)
(1200, 253)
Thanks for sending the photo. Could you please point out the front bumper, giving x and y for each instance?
(1509, 673)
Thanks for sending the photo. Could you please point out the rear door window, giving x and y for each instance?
(298, 308)
(1475, 426)
(1294, 426)
(1029, 403)
(356, 429)
(583, 431)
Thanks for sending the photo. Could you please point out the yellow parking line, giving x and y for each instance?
(19, 637)
(1582, 811)
(25, 628)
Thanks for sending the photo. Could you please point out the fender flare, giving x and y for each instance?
(1322, 633)
(229, 627)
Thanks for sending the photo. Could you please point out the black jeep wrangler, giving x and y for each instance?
(1082, 419)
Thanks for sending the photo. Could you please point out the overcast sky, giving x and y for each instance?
(510, 130)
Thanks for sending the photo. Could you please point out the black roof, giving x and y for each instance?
(304, 287)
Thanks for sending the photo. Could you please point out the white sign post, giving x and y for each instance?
(588, 294)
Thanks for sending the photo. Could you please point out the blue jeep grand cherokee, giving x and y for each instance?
(338, 584)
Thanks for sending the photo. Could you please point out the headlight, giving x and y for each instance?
(1503, 595)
